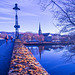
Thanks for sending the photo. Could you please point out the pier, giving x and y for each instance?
(23, 62)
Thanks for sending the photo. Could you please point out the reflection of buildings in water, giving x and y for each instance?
(54, 47)
(48, 47)
(71, 48)
(41, 48)
(34, 50)
(68, 55)
(58, 47)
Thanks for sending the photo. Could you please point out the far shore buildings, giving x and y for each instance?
(40, 37)
(39, 32)
(48, 37)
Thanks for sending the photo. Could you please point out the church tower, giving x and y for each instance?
(39, 32)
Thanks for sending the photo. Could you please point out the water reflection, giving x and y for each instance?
(40, 49)
(37, 50)
(55, 58)
(69, 54)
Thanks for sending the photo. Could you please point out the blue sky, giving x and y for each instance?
(29, 17)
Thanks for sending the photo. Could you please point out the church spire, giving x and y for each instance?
(39, 32)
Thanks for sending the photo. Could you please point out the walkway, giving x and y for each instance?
(5, 57)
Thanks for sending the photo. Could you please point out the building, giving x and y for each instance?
(47, 36)
(39, 32)
(56, 37)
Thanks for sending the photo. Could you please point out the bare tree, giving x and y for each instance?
(64, 11)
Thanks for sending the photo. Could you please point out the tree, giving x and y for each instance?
(28, 36)
(64, 11)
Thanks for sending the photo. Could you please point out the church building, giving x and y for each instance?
(47, 36)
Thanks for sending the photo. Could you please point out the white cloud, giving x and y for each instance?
(26, 14)
(6, 22)
(5, 18)
(6, 11)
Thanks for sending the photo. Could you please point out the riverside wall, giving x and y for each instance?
(23, 62)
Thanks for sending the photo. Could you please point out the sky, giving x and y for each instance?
(29, 17)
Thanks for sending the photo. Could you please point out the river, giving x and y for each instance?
(56, 59)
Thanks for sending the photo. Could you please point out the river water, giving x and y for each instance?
(56, 59)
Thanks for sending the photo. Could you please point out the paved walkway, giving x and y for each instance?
(5, 57)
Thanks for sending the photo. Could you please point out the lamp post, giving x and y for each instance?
(16, 26)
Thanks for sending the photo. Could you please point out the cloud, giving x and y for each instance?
(10, 11)
(6, 11)
(5, 18)
(27, 14)
(6, 22)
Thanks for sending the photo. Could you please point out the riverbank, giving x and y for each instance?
(48, 43)
(23, 62)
